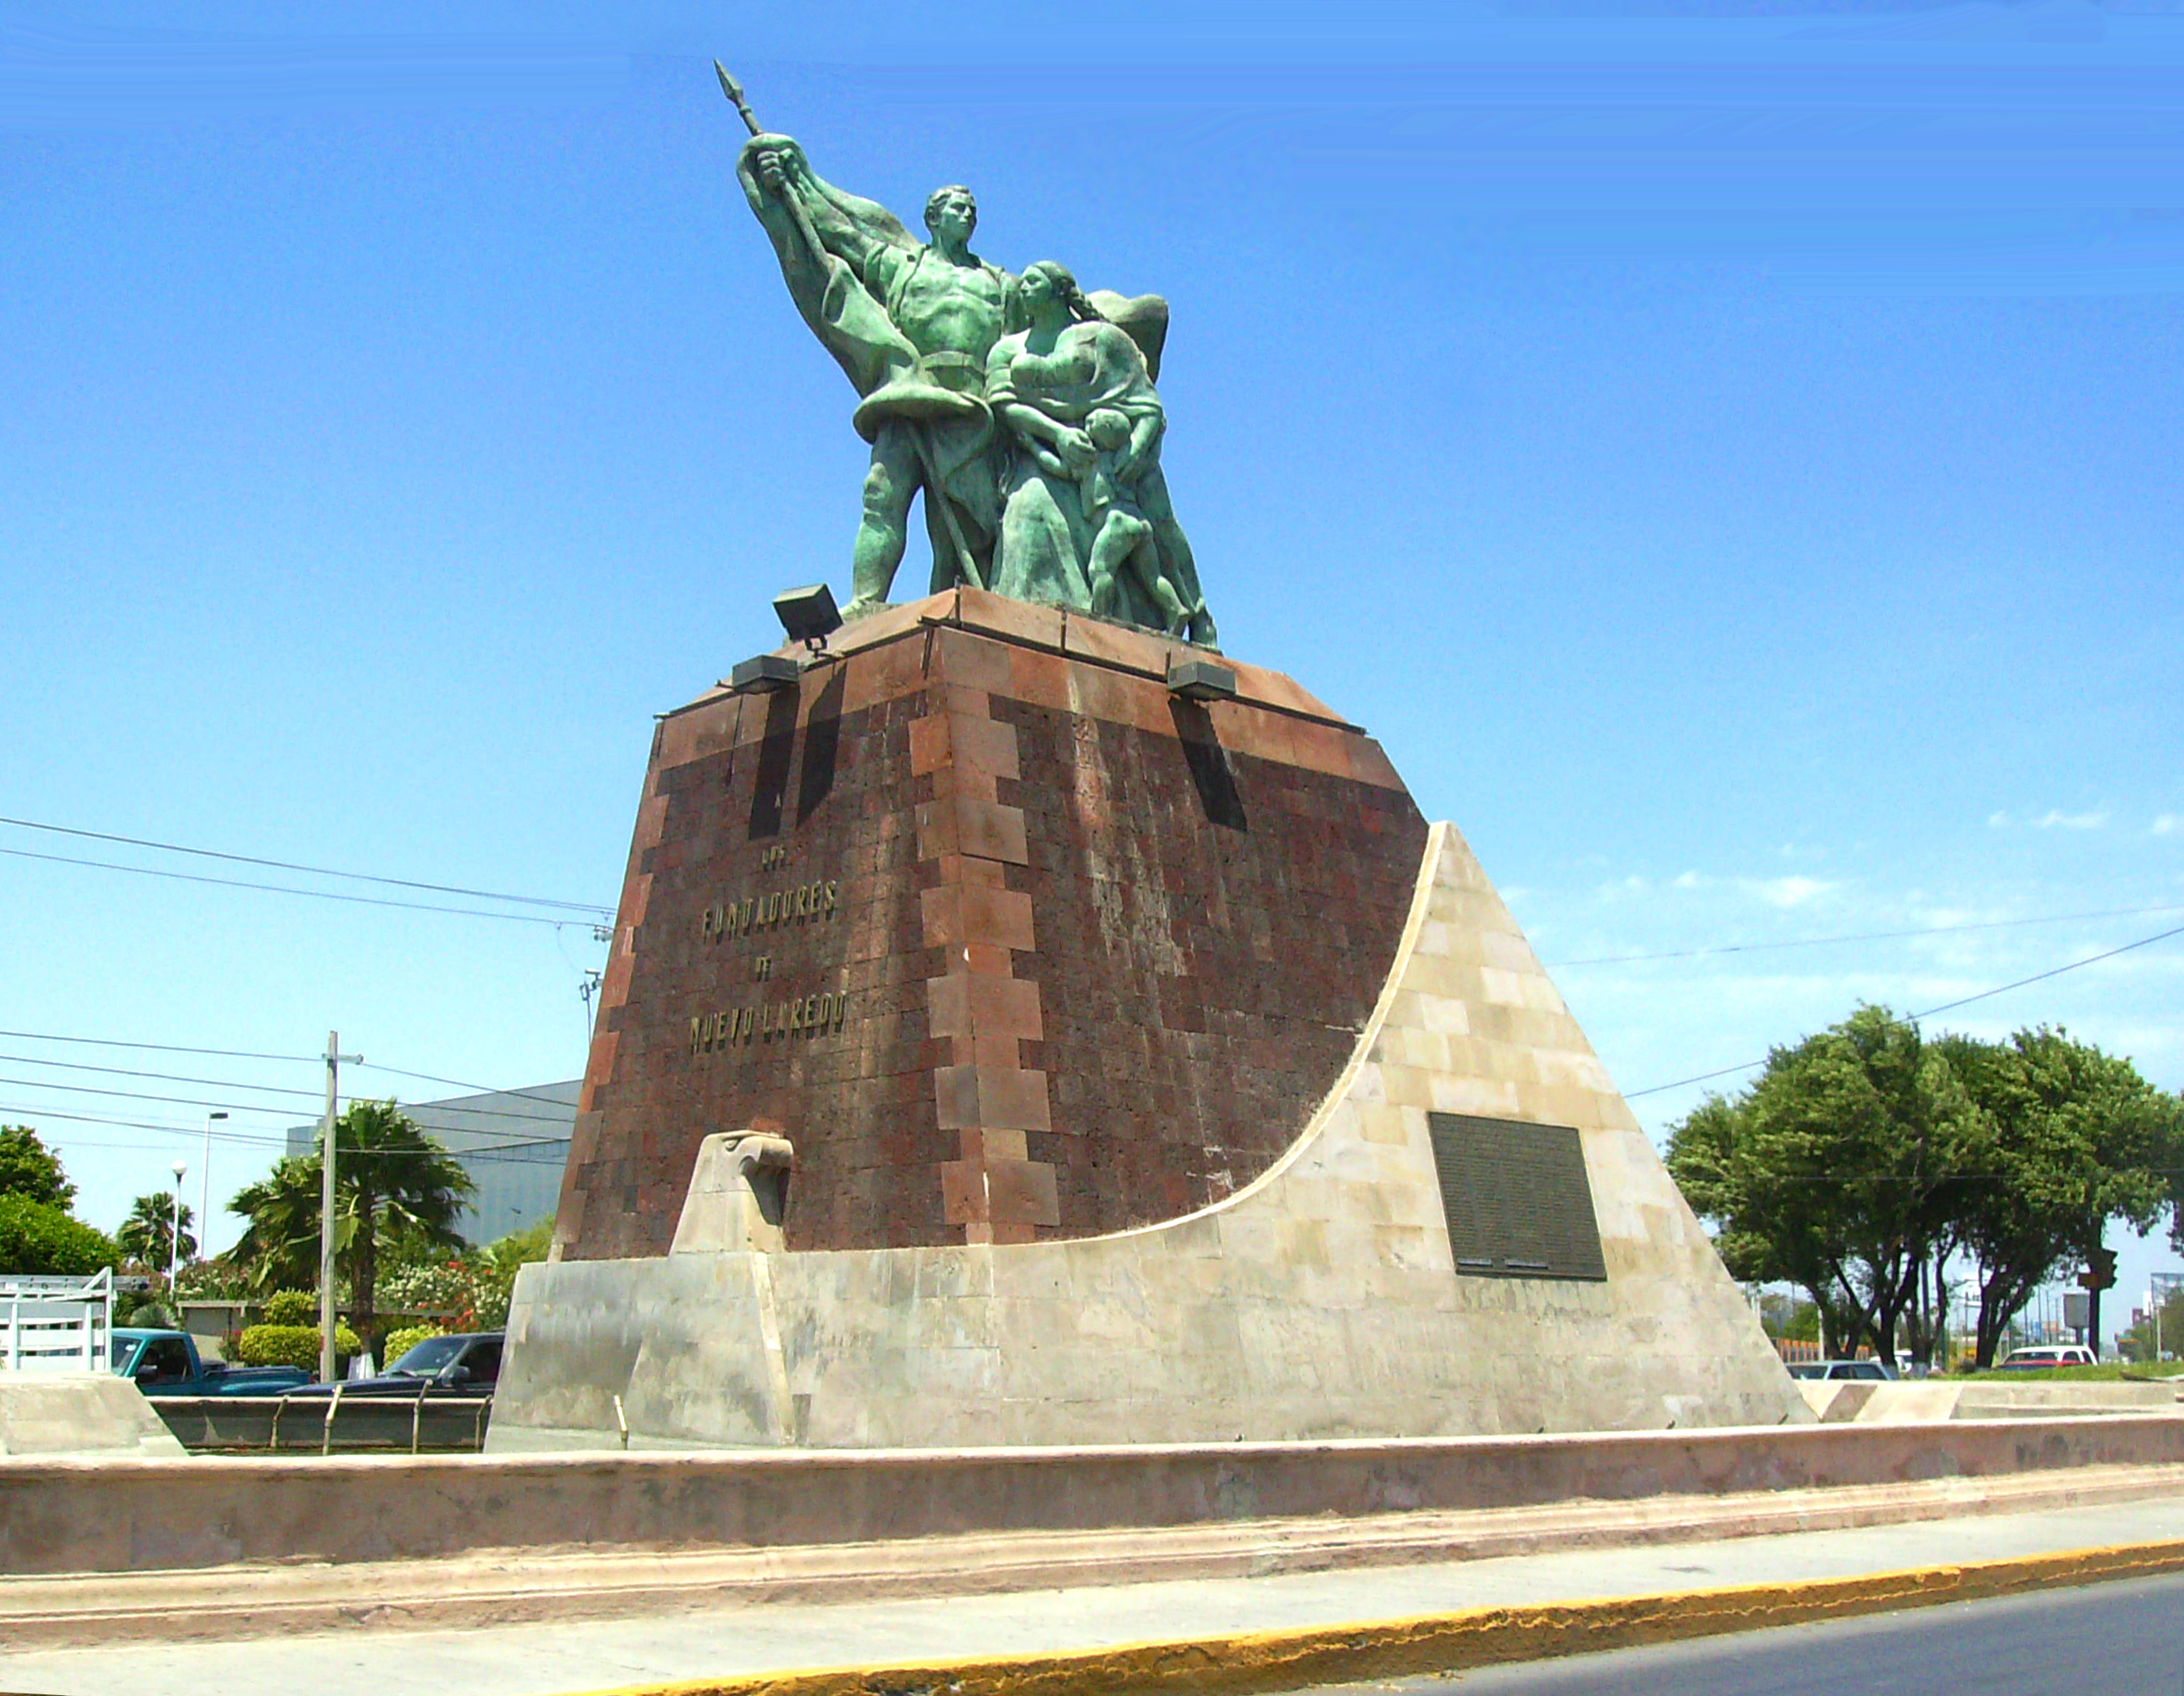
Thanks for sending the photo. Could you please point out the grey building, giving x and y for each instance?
(513, 1142)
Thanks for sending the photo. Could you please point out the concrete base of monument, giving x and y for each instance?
(79, 1415)
(1324, 1299)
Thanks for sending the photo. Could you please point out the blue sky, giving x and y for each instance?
(1728, 458)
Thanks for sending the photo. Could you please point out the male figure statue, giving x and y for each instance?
(911, 323)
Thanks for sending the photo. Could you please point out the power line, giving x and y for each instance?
(191, 1130)
(505, 1151)
(308, 1094)
(167, 1077)
(510, 1138)
(160, 1048)
(481, 1089)
(289, 889)
(1945, 1007)
(315, 871)
(138, 1095)
(2057, 971)
(300, 1059)
(1868, 936)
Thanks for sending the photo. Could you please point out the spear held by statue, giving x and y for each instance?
(936, 492)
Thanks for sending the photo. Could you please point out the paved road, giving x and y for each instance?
(2126, 1638)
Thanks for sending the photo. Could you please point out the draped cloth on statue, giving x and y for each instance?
(1050, 516)
(852, 304)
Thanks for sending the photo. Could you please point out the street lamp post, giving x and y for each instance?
(205, 1177)
(174, 1241)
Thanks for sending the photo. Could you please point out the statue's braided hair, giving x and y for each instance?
(1065, 287)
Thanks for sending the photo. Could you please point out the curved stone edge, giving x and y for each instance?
(1321, 1300)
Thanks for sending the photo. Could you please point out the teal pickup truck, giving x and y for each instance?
(166, 1363)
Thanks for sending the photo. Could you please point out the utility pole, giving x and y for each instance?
(175, 1246)
(334, 1059)
(204, 1189)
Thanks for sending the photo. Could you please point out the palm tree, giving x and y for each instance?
(402, 1184)
(148, 1234)
(279, 1248)
(394, 1184)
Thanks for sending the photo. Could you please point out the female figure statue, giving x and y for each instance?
(1086, 521)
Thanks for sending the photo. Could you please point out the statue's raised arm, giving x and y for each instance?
(910, 324)
(833, 248)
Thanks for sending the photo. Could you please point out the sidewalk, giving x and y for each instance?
(727, 1644)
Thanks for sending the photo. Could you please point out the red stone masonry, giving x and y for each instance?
(1008, 940)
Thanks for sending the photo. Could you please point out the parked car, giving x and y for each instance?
(469, 1363)
(166, 1363)
(1867, 1370)
(2051, 1354)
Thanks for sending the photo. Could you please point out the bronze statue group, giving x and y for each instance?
(1022, 406)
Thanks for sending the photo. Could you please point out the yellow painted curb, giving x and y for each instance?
(1266, 1662)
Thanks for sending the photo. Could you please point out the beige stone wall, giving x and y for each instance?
(48, 1415)
(1321, 1301)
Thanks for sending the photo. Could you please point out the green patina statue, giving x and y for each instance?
(1022, 407)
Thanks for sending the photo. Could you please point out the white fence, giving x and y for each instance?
(56, 1324)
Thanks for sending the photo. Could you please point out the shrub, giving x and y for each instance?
(433, 1284)
(400, 1342)
(151, 1315)
(292, 1307)
(290, 1345)
(39, 1237)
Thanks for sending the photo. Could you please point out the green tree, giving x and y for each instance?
(37, 1237)
(403, 1184)
(28, 1168)
(279, 1248)
(147, 1234)
(1837, 1171)
(2066, 1139)
(394, 1186)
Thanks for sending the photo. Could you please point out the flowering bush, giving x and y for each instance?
(434, 1284)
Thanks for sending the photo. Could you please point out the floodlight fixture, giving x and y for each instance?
(1200, 680)
(808, 614)
(763, 673)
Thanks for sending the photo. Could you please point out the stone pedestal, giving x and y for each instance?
(1010, 943)
(1149, 1070)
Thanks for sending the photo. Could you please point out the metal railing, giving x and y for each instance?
(56, 1325)
(439, 1422)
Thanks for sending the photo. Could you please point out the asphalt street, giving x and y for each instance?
(2125, 1638)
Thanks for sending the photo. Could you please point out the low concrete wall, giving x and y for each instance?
(1918, 1402)
(78, 1413)
(137, 1516)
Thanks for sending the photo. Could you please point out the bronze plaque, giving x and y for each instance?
(1517, 1200)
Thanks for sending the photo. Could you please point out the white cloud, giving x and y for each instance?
(2052, 819)
(1995, 821)
(1788, 892)
(2168, 825)
(1689, 879)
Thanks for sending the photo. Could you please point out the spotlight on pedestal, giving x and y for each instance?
(809, 615)
(1202, 680)
(764, 674)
